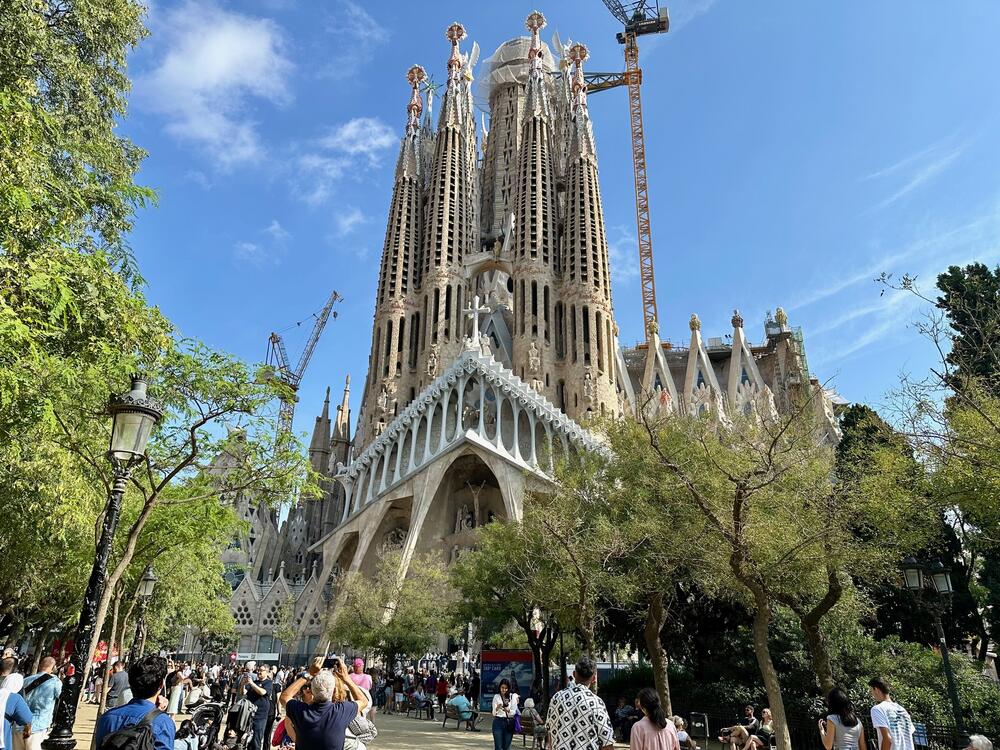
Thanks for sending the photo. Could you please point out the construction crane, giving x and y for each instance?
(638, 17)
(277, 361)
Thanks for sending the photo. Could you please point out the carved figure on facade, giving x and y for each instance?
(432, 361)
(534, 357)
(393, 541)
(589, 390)
(486, 345)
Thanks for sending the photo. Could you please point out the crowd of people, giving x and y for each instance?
(332, 705)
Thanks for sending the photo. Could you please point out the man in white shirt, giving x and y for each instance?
(891, 721)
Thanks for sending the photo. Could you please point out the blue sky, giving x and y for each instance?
(795, 149)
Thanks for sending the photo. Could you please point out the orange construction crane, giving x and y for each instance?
(638, 17)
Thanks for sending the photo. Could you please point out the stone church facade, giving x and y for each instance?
(493, 342)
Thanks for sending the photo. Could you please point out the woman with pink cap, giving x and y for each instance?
(358, 676)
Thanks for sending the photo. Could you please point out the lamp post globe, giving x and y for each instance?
(133, 415)
(147, 583)
(941, 577)
(913, 574)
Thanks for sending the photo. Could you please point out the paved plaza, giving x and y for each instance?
(394, 733)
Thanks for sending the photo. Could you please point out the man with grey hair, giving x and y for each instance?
(979, 742)
(321, 724)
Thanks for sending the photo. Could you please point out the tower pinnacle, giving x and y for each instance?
(454, 34)
(578, 53)
(415, 75)
(535, 23)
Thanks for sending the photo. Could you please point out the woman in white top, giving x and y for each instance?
(504, 709)
(841, 729)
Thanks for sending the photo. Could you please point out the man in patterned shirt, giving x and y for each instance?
(577, 718)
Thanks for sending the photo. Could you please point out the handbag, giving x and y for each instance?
(363, 729)
(517, 723)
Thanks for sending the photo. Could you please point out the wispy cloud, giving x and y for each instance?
(623, 254)
(348, 220)
(854, 326)
(268, 251)
(357, 37)
(682, 12)
(362, 136)
(277, 232)
(213, 65)
(350, 149)
(920, 168)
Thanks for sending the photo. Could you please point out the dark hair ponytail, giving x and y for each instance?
(838, 703)
(649, 699)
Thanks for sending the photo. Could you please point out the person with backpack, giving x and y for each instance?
(41, 692)
(140, 724)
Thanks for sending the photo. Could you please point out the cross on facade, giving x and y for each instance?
(474, 312)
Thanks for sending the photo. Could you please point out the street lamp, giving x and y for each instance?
(133, 414)
(146, 585)
(933, 582)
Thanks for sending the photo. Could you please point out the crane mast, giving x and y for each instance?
(277, 359)
(638, 17)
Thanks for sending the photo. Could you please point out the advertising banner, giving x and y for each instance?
(515, 666)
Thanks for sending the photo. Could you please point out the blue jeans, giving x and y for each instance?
(503, 734)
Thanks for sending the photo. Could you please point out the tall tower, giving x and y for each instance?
(536, 259)
(450, 230)
(592, 335)
(397, 318)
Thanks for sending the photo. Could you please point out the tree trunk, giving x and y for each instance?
(762, 650)
(547, 645)
(105, 683)
(819, 654)
(656, 617)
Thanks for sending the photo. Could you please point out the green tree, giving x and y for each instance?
(393, 614)
(494, 584)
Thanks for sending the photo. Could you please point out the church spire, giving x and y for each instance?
(582, 139)
(342, 428)
(319, 446)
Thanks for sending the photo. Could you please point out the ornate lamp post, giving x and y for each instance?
(134, 415)
(933, 582)
(146, 585)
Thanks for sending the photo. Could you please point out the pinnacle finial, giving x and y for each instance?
(535, 22)
(737, 320)
(781, 317)
(578, 53)
(455, 33)
(415, 75)
(694, 323)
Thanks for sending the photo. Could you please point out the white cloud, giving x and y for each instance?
(362, 136)
(860, 325)
(356, 38)
(349, 219)
(919, 168)
(683, 12)
(260, 254)
(250, 252)
(277, 232)
(353, 149)
(623, 254)
(214, 64)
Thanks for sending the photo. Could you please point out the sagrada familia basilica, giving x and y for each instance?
(493, 343)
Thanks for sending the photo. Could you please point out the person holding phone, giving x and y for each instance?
(258, 692)
(322, 724)
(504, 710)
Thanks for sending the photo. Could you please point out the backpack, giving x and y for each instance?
(134, 737)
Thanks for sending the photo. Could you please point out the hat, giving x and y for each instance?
(529, 703)
(359, 663)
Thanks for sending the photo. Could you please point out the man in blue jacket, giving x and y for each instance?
(146, 677)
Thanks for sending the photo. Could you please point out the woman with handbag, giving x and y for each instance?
(504, 716)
